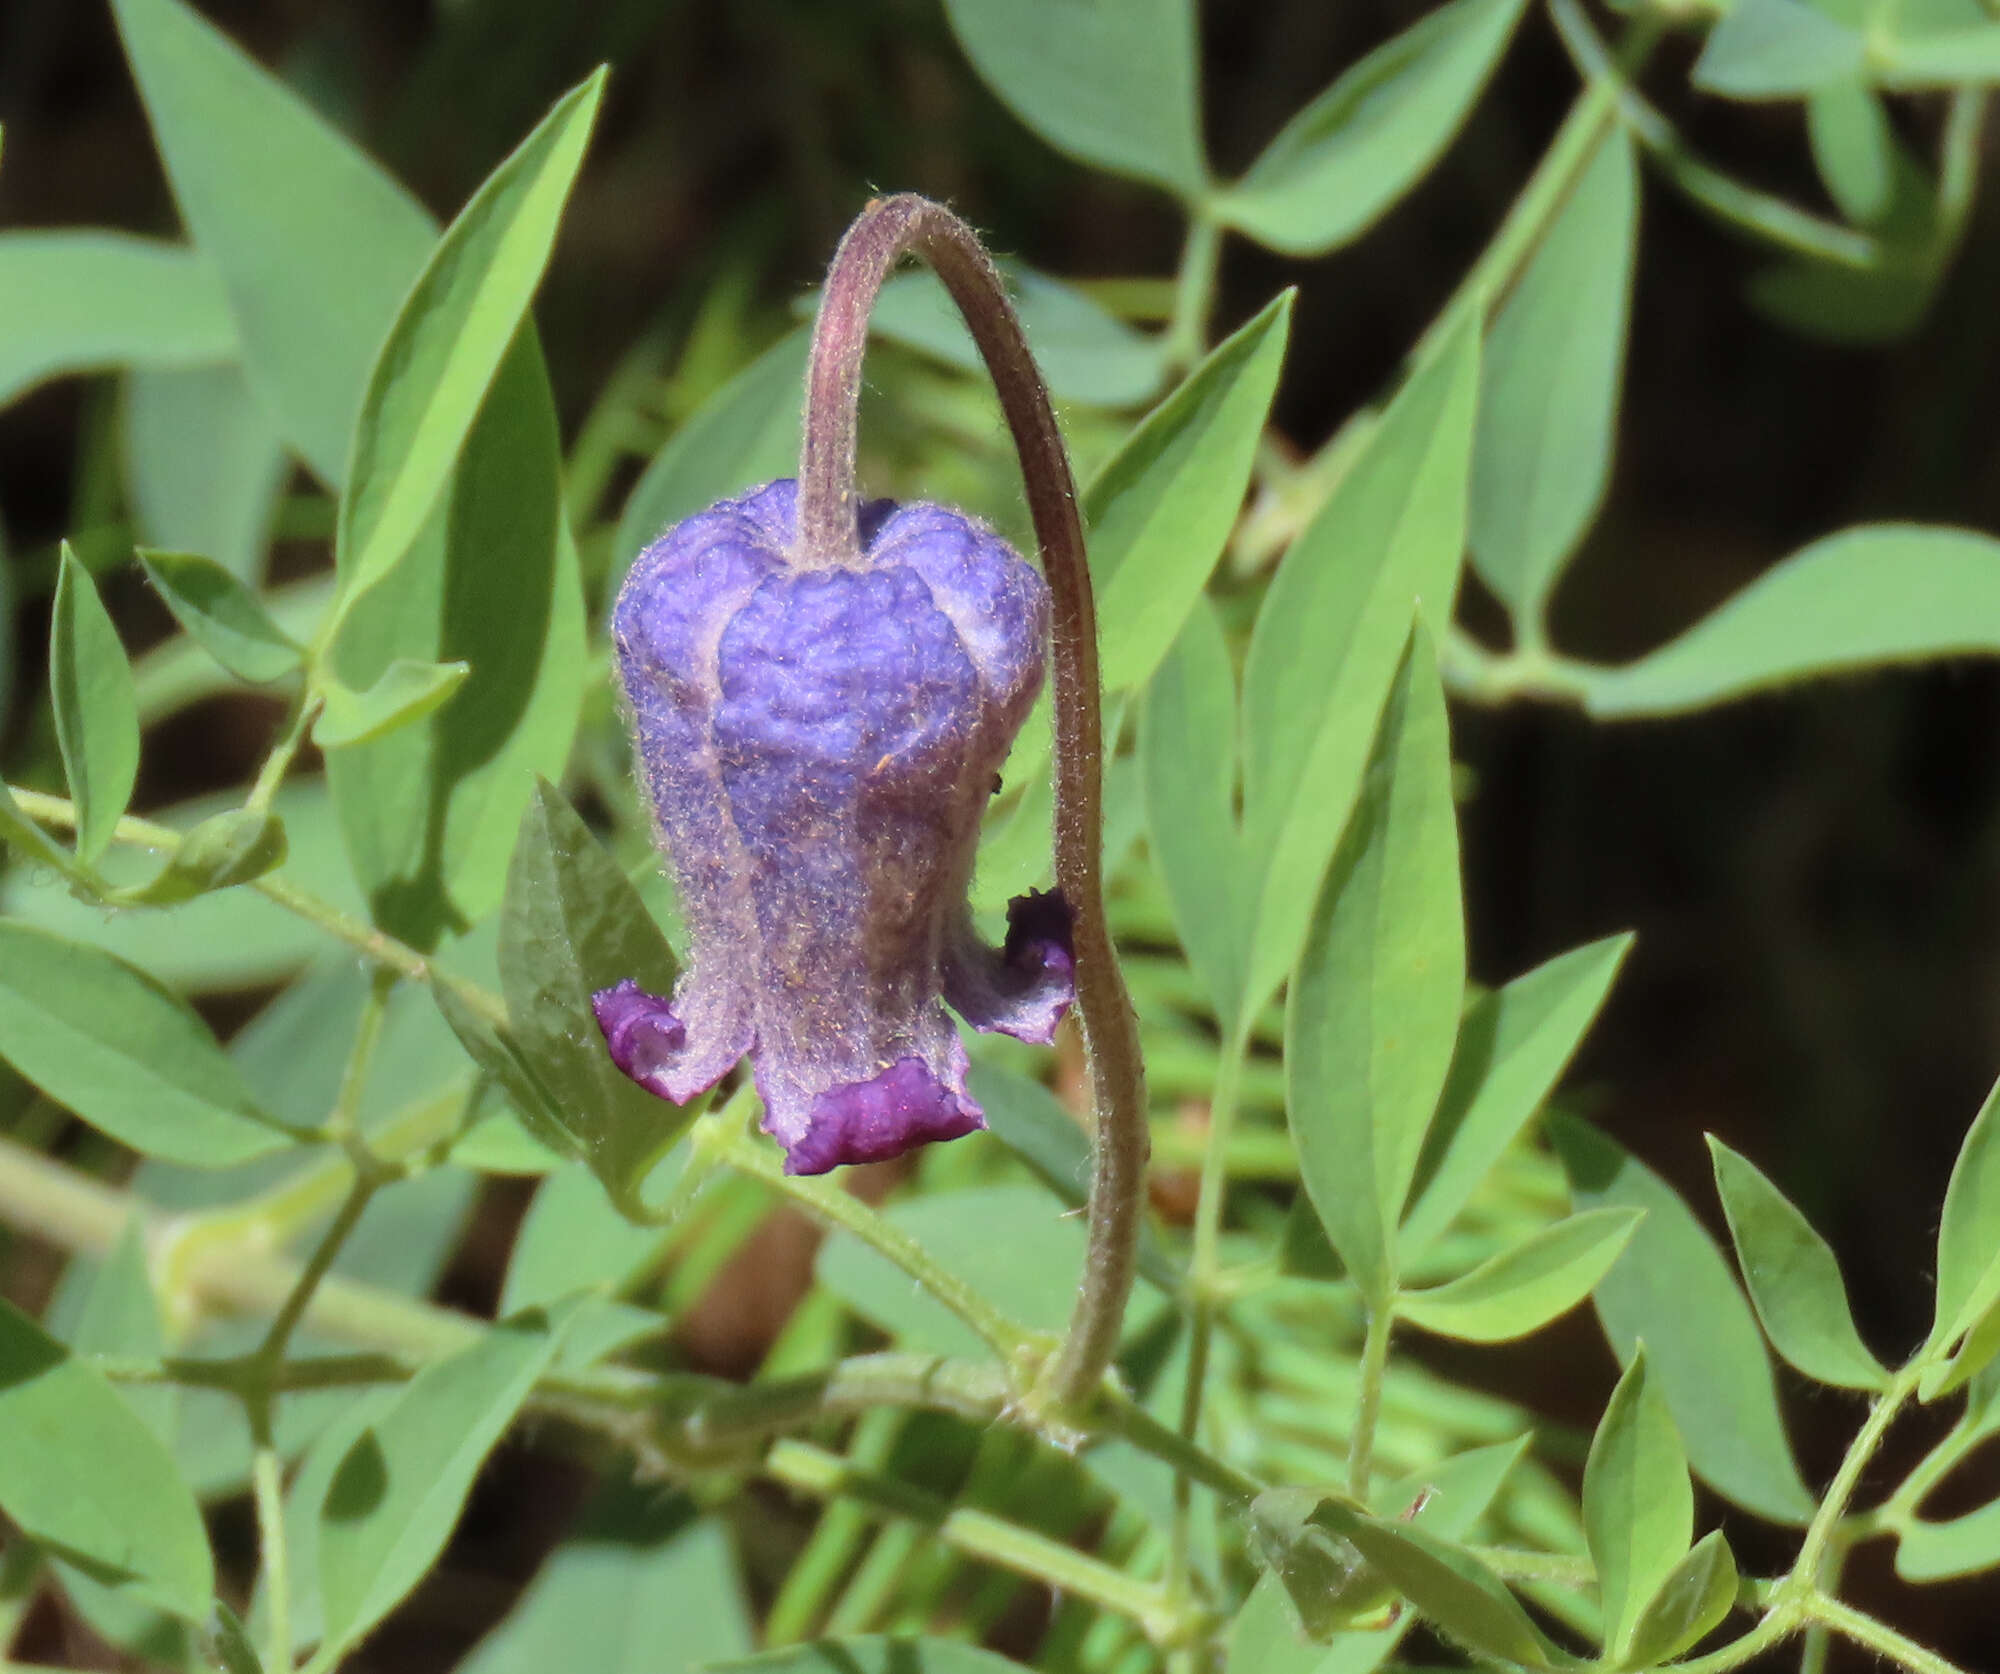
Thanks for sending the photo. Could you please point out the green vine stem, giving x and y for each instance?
(357, 934)
(981, 1535)
(886, 231)
(1204, 1273)
(832, 1207)
(1850, 1623)
(1757, 213)
(1368, 1408)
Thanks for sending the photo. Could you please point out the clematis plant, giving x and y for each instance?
(822, 690)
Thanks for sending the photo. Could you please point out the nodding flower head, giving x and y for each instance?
(819, 740)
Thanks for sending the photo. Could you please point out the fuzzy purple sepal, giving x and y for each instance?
(819, 743)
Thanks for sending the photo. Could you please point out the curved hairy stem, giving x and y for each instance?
(886, 231)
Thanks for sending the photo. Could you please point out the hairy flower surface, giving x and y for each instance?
(819, 741)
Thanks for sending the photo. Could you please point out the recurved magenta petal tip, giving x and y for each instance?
(869, 1121)
(642, 1033)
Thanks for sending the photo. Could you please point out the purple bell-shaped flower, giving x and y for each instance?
(819, 740)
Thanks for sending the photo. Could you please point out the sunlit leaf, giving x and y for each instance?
(1638, 1505)
(1513, 1044)
(1876, 594)
(1704, 1353)
(637, 1589)
(1373, 1012)
(449, 339)
(397, 1491)
(573, 925)
(1114, 82)
(80, 1473)
(1521, 1289)
(96, 712)
(1162, 506)
(104, 1039)
(1793, 1278)
(744, 435)
(1766, 49)
(404, 692)
(1690, 1604)
(221, 615)
(1340, 164)
(1187, 755)
(1447, 1585)
(86, 301)
(315, 244)
(429, 811)
(204, 464)
(1549, 387)
(1329, 637)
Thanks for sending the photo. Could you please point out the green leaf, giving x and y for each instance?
(303, 1499)
(1114, 83)
(501, 1144)
(222, 616)
(635, 1590)
(1373, 1012)
(1844, 305)
(1026, 1118)
(1548, 398)
(1948, 58)
(1875, 594)
(1939, 1551)
(574, 1239)
(1187, 756)
(316, 246)
(81, 1474)
(1329, 637)
(1086, 353)
(1035, 1286)
(1449, 1587)
(449, 340)
(230, 1644)
(1704, 1353)
(1968, 1265)
(1450, 1499)
(85, 301)
(429, 812)
(1638, 1505)
(231, 939)
(31, 840)
(226, 849)
(1521, 1289)
(1793, 1278)
(1513, 1044)
(1691, 1603)
(96, 711)
(405, 691)
(872, 1655)
(1334, 1589)
(745, 434)
(1161, 508)
(572, 925)
(1968, 1256)
(398, 1490)
(1775, 49)
(1854, 148)
(1343, 161)
(204, 464)
(111, 1044)
(493, 1047)
(1268, 1635)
